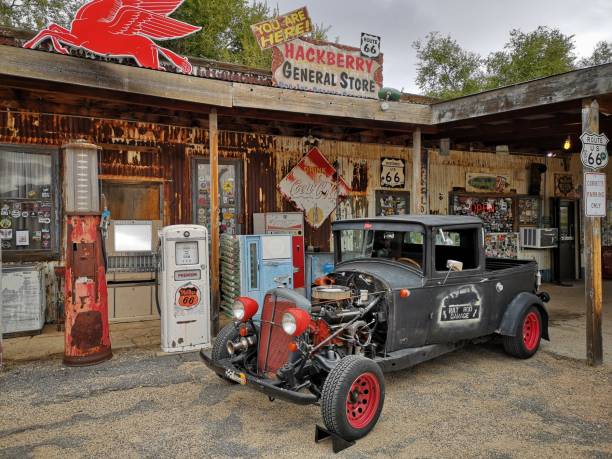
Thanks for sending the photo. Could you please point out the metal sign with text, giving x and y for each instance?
(370, 45)
(594, 194)
(315, 187)
(392, 173)
(282, 29)
(594, 153)
(326, 67)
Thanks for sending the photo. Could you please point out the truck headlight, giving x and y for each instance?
(244, 308)
(295, 321)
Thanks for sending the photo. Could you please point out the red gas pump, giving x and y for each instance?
(86, 336)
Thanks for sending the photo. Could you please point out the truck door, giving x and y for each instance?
(459, 299)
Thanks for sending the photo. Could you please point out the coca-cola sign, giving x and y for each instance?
(315, 187)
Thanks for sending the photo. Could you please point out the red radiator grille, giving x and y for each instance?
(273, 352)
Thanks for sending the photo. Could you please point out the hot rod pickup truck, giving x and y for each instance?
(405, 289)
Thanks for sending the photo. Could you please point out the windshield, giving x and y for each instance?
(402, 246)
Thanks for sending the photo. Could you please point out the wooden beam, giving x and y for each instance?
(214, 219)
(416, 198)
(575, 85)
(592, 256)
(288, 100)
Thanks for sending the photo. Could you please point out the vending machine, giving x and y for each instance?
(286, 223)
(253, 264)
(184, 288)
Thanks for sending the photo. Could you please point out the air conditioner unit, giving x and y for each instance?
(539, 238)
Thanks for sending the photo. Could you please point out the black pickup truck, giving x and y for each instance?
(405, 289)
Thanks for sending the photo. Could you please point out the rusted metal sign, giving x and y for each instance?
(122, 28)
(326, 67)
(315, 187)
(282, 29)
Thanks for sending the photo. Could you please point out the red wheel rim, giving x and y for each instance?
(531, 331)
(362, 400)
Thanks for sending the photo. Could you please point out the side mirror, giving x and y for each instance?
(454, 265)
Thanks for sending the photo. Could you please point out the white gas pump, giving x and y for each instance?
(184, 288)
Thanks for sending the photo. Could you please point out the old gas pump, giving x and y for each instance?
(86, 337)
(184, 289)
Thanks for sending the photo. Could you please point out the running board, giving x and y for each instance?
(406, 358)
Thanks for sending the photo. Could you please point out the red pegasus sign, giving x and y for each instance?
(122, 28)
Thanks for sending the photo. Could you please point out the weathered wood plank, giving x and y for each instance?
(575, 85)
(592, 257)
(289, 100)
(41, 65)
(214, 219)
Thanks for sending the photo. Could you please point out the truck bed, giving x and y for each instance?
(497, 264)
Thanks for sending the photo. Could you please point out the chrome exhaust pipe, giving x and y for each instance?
(242, 344)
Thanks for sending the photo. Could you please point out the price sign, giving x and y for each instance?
(594, 154)
(370, 45)
(392, 173)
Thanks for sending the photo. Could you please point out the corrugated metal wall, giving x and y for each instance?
(164, 152)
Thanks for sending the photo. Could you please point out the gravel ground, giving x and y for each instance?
(475, 402)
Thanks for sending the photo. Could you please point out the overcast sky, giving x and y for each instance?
(481, 26)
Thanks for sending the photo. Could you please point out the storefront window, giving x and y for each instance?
(28, 200)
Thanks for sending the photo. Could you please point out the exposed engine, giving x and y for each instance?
(345, 304)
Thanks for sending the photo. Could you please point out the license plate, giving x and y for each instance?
(240, 378)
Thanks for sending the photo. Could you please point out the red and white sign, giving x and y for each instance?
(188, 296)
(326, 67)
(122, 28)
(315, 187)
(594, 194)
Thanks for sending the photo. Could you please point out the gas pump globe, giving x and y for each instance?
(183, 288)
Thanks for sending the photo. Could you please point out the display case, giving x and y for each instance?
(29, 201)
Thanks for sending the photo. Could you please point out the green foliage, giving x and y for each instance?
(445, 70)
(36, 14)
(528, 56)
(602, 54)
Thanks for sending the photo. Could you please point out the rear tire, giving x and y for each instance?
(353, 396)
(527, 335)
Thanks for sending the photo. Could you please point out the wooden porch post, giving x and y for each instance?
(592, 255)
(214, 218)
(415, 198)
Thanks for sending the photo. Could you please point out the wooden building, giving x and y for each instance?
(156, 131)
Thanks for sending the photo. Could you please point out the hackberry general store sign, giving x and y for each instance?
(326, 67)
(315, 187)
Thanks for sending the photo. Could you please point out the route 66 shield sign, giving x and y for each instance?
(594, 154)
(392, 173)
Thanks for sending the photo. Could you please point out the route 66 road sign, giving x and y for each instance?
(594, 154)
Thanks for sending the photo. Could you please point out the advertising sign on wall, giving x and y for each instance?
(494, 183)
(315, 187)
(392, 173)
(326, 67)
(282, 29)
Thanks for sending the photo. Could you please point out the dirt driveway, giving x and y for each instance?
(476, 402)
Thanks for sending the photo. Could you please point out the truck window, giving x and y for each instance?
(401, 246)
(460, 245)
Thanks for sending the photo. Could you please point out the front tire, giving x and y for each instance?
(527, 336)
(219, 350)
(353, 396)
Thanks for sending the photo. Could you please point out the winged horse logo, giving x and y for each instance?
(122, 28)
